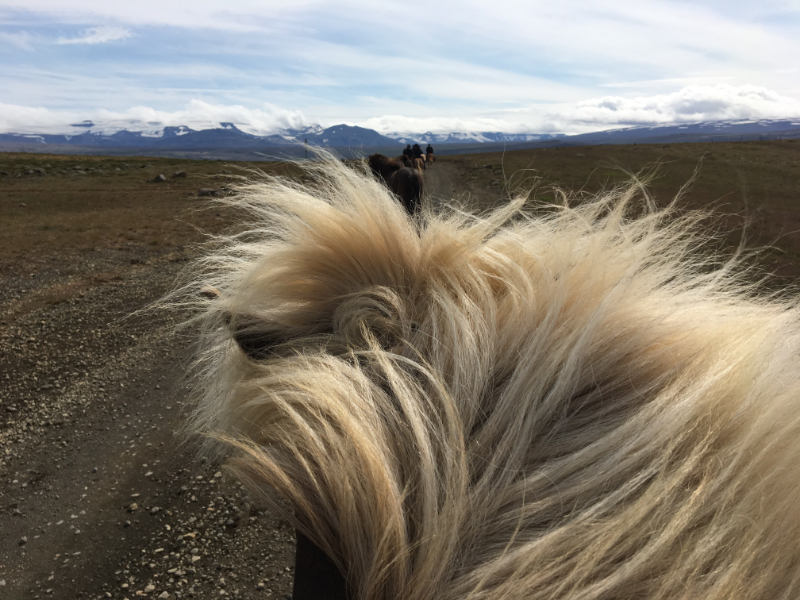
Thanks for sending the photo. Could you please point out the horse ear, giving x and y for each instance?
(255, 337)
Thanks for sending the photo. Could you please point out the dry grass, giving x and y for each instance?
(757, 183)
(83, 203)
(114, 205)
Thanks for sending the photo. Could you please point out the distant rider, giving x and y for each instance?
(408, 152)
(429, 150)
(417, 151)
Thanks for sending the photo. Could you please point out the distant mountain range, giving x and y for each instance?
(695, 132)
(229, 142)
(227, 135)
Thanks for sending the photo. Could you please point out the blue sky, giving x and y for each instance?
(528, 66)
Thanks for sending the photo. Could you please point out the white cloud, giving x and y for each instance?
(98, 35)
(690, 104)
(201, 115)
(21, 39)
(402, 124)
(31, 119)
(197, 115)
(242, 15)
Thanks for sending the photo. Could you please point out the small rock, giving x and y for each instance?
(132, 507)
(22, 541)
(159, 178)
(149, 588)
(179, 174)
(164, 595)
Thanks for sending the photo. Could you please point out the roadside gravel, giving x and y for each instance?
(100, 497)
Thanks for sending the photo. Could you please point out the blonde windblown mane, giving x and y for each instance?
(575, 402)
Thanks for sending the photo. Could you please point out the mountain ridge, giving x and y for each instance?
(354, 140)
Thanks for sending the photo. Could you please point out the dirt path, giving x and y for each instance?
(439, 181)
(474, 188)
(99, 497)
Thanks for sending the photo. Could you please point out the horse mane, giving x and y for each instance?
(577, 401)
(407, 162)
(383, 165)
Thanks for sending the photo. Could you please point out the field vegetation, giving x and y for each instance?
(753, 188)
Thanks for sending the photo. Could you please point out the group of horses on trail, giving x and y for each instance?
(415, 153)
(403, 176)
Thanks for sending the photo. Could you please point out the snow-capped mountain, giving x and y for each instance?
(469, 137)
(230, 141)
(226, 135)
(729, 130)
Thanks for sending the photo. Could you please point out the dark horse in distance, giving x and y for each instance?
(405, 182)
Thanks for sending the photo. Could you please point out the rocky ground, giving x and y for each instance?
(100, 497)
(100, 494)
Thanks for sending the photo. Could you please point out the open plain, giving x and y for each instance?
(100, 496)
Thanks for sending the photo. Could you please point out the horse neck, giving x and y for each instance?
(388, 168)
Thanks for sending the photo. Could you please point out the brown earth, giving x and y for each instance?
(99, 496)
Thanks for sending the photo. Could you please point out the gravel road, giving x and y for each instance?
(100, 495)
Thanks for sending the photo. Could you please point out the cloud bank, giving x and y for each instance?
(691, 104)
(265, 120)
(98, 35)
(688, 105)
